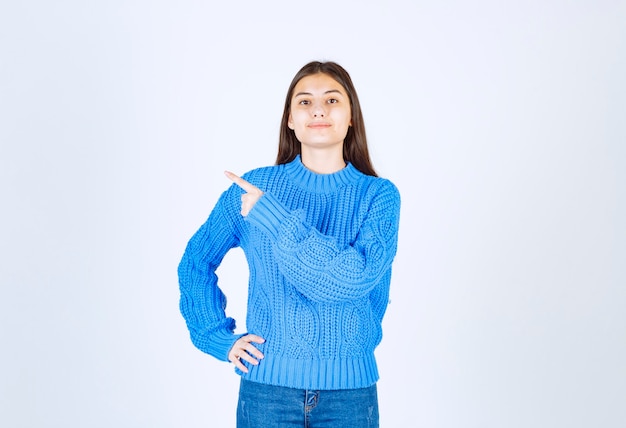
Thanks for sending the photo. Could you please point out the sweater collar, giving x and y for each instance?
(315, 182)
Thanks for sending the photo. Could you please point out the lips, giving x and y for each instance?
(319, 125)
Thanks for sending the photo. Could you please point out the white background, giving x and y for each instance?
(502, 124)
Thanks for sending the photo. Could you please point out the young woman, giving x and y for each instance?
(319, 230)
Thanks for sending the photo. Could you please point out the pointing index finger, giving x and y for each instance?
(240, 182)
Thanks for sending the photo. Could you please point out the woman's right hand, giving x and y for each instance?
(249, 198)
(243, 349)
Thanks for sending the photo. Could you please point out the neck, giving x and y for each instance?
(323, 161)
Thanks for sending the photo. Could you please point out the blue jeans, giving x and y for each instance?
(268, 406)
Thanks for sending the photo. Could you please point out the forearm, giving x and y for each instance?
(316, 264)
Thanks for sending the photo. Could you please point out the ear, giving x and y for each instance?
(290, 122)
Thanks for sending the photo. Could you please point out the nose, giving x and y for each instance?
(318, 110)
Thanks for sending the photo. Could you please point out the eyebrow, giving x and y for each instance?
(330, 91)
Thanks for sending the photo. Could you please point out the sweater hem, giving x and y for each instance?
(319, 374)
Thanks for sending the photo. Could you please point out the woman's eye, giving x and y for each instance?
(333, 101)
(304, 102)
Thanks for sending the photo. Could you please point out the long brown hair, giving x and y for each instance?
(354, 145)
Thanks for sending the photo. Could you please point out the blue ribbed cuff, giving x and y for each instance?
(217, 344)
(267, 214)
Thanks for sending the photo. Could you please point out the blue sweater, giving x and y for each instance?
(319, 249)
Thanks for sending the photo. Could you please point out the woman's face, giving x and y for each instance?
(320, 112)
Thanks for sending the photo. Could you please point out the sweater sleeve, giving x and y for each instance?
(202, 302)
(315, 264)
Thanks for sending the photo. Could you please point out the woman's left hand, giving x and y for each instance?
(249, 198)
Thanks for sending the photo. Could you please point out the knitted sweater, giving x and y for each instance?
(319, 249)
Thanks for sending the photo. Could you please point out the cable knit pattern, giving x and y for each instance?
(320, 249)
